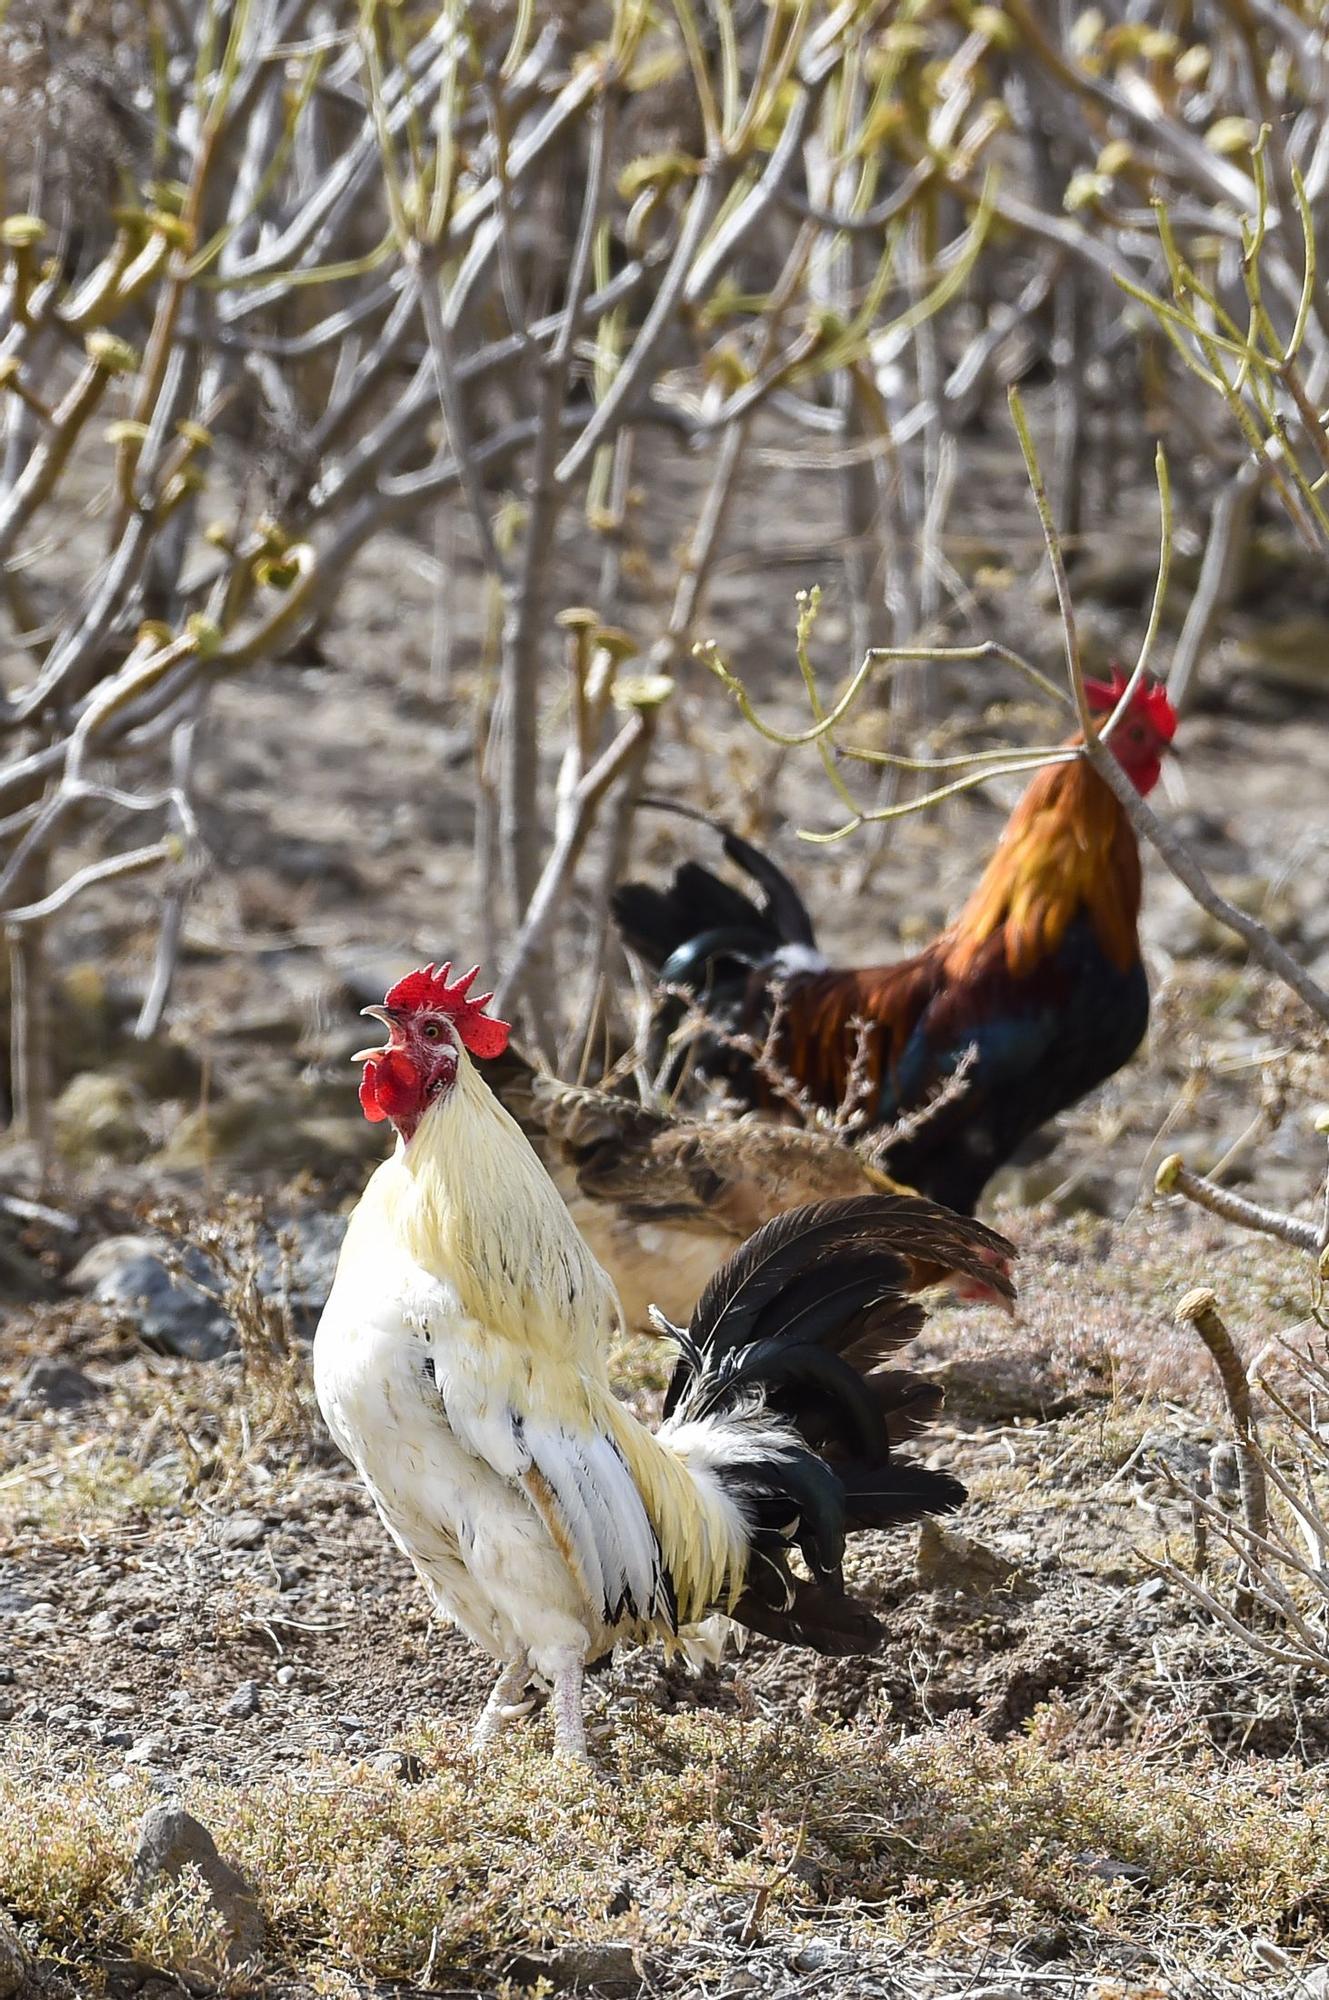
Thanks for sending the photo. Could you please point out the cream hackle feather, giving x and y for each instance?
(471, 1204)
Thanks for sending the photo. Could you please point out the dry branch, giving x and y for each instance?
(328, 243)
(1174, 1177)
(1199, 1308)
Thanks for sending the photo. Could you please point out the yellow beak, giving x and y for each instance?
(388, 1018)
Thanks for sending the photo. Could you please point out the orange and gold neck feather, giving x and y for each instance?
(1068, 846)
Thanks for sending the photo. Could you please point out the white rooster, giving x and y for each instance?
(460, 1364)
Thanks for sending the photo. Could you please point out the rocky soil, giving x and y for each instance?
(196, 1603)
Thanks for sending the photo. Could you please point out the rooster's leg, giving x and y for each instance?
(569, 1723)
(502, 1705)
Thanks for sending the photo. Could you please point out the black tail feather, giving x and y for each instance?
(907, 1402)
(659, 923)
(707, 920)
(784, 908)
(820, 1616)
(878, 1496)
(803, 1317)
(873, 1230)
(827, 1398)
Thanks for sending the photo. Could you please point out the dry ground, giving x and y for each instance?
(1057, 1778)
(1054, 1767)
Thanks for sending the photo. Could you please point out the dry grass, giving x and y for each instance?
(697, 1815)
(274, 1412)
(727, 1828)
(166, 1430)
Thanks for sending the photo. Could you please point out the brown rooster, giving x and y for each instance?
(1039, 975)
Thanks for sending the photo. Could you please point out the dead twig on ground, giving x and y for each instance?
(1174, 1177)
(1199, 1308)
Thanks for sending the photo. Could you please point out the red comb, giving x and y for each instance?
(1150, 698)
(480, 1033)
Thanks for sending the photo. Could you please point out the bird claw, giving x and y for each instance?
(499, 1711)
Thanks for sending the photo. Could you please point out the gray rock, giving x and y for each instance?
(57, 1384)
(171, 1840)
(173, 1314)
(242, 1531)
(610, 1967)
(153, 1748)
(246, 1701)
(16, 1974)
(105, 1258)
(179, 1314)
(816, 1955)
(1108, 1869)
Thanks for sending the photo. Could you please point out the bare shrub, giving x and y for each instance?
(277, 277)
(274, 1413)
(360, 263)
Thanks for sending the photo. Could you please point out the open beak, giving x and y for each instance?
(389, 1020)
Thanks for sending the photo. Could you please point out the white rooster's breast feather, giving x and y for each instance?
(460, 1449)
(576, 1480)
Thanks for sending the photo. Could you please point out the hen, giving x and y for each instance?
(663, 1198)
(460, 1363)
(1040, 974)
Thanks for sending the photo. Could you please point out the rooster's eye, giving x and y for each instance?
(430, 1031)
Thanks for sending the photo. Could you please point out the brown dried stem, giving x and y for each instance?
(1199, 1308)
(1174, 1177)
